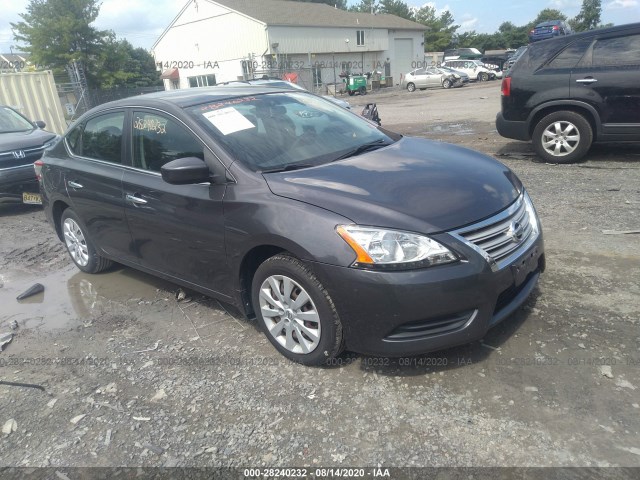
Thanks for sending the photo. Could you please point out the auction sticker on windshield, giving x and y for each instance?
(228, 120)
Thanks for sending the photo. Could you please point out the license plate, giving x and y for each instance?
(32, 198)
(525, 266)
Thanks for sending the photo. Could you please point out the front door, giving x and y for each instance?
(177, 230)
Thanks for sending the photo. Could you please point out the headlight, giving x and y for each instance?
(51, 143)
(392, 249)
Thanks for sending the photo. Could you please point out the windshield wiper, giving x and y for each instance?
(287, 168)
(363, 148)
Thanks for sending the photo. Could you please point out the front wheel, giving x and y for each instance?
(295, 311)
(362, 90)
(483, 77)
(562, 137)
(447, 83)
(79, 245)
(411, 87)
(351, 92)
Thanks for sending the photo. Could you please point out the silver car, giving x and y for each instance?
(426, 78)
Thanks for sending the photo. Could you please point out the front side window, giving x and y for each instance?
(617, 51)
(158, 139)
(101, 138)
(360, 38)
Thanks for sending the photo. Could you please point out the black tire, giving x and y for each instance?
(363, 90)
(447, 83)
(94, 263)
(411, 87)
(351, 92)
(565, 140)
(330, 342)
(483, 77)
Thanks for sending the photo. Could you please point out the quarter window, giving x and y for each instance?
(360, 38)
(617, 51)
(101, 138)
(571, 55)
(158, 139)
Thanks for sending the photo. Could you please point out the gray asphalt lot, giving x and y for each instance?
(134, 378)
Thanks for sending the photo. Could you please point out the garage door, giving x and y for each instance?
(403, 56)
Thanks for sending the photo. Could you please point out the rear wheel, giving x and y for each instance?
(79, 245)
(483, 77)
(411, 87)
(562, 137)
(362, 90)
(447, 83)
(295, 311)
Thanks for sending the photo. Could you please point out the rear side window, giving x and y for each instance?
(100, 138)
(571, 55)
(158, 139)
(617, 51)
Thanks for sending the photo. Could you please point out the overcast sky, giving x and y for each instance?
(141, 21)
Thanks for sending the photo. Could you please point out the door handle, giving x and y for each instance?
(74, 184)
(135, 200)
(586, 80)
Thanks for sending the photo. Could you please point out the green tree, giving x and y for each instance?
(548, 14)
(56, 32)
(396, 7)
(366, 6)
(513, 36)
(589, 16)
(121, 65)
(441, 28)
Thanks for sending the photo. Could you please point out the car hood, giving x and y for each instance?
(414, 184)
(24, 140)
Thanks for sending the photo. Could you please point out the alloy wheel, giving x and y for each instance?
(75, 241)
(289, 314)
(560, 138)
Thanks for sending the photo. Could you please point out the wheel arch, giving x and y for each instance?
(584, 109)
(57, 210)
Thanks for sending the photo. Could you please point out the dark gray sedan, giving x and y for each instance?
(332, 232)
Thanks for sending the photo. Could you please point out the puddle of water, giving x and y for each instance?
(72, 298)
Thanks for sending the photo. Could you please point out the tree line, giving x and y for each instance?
(442, 30)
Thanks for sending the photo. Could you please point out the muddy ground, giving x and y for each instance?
(132, 377)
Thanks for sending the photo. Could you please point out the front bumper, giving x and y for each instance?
(16, 180)
(415, 312)
(512, 129)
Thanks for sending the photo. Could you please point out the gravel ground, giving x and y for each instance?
(133, 377)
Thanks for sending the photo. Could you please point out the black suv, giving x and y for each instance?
(568, 92)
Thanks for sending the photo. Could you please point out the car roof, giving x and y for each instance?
(564, 39)
(194, 96)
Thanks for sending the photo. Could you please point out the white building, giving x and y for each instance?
(217, 41)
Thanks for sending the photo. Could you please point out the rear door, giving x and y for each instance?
(93, 179)
(609, 78)
(177, 230)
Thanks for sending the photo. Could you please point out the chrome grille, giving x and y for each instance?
(504, 235)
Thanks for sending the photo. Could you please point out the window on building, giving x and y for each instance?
(360, 38)
(202, 81)
(158, 139)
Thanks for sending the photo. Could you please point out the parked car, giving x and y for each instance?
(474, 68)
(566, 93)
(334, 233)
(430, 77)
(21, 143)
(549, 29)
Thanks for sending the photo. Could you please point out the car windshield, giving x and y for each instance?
(12, 121)
(277, 131)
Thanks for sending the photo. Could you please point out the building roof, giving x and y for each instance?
(309, 14)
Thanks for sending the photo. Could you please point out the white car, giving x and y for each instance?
(474, 68)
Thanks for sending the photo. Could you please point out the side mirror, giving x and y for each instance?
(40, 124)
(184, 171)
